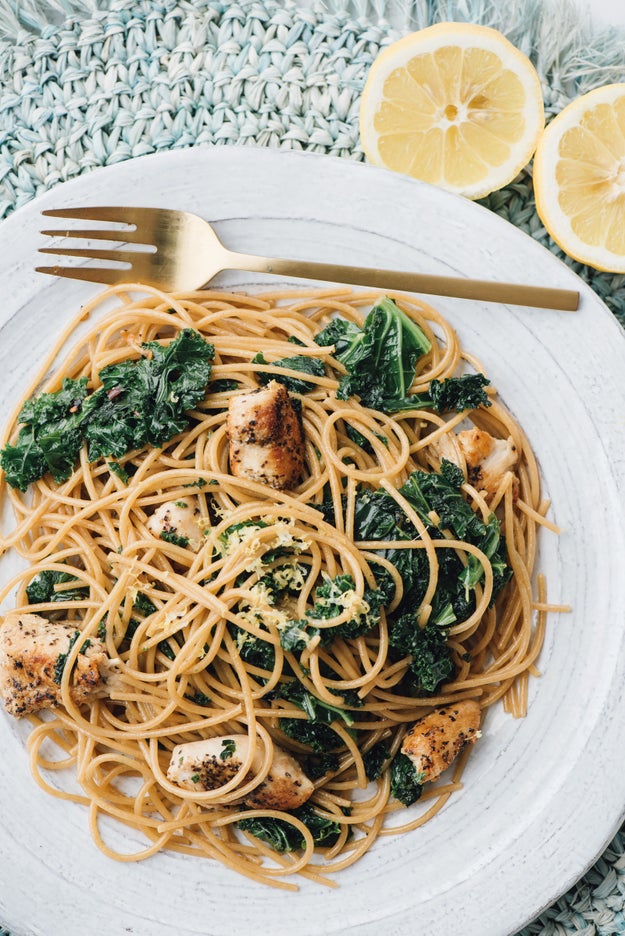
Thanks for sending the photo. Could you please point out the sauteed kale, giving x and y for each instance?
(140, 402)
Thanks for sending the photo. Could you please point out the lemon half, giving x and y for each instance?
(456, 105)
(579, 178)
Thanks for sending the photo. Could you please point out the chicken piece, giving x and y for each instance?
(435, 741)
(207, 765)
(266, 436)
(487, 458)
(32, 654)
(178, 520)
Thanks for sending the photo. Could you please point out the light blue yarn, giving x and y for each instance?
(85, 83)
(111, 84)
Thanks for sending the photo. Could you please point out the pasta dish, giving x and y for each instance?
(277, 561)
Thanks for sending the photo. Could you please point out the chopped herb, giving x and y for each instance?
(61, 660)
(228, 747)
(195, 778)
(459, 393)
(182, 504)
(174, 538)
(200, 483)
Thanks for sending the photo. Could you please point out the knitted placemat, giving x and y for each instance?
(82, 87)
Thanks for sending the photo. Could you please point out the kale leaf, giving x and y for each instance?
(431, 656)
(296, 637)
(406, 781)
(380, 357)
(299, 362)
(141, 402)
(443, 396)
(252, 649)
(316, 730)
(50, 436)
(221, 386)
(41, 589)
(317, 736)
(61, 660)
(284, 837)
(334, 596)
(316, 709)
(340, 332)
(377, 516)
(441, 492)
(143, 604)
(374, 760)
(277, 833)
(459, 393)
(145, 402)
(198, 698)
(316, 766)
(361, 440)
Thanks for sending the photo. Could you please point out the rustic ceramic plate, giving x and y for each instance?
(542, 795)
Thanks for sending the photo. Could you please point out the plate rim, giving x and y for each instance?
(246, 155)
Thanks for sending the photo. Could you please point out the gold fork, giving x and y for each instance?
(184, 253)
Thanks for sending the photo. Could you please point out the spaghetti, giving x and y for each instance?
(183, 626)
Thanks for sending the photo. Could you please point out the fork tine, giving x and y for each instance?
(123, 214)
(93, 253)
(124, 236)
(91, 274)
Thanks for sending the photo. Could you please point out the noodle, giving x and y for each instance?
(183, 673)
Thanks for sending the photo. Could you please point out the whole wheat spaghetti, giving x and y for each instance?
(204, 640)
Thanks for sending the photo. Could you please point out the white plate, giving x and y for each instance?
(542, 795)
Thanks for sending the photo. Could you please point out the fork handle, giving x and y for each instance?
(454, 286)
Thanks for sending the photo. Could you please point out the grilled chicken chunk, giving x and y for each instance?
(435, 741)
(178, 520)
(266, 436)
(32, 654)
(487, 458)
(206, 765)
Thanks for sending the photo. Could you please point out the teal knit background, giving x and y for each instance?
(82, 87)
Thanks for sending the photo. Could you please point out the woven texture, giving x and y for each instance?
(107, 85)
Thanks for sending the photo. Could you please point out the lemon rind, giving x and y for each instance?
(555, 221)
(464, 36)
